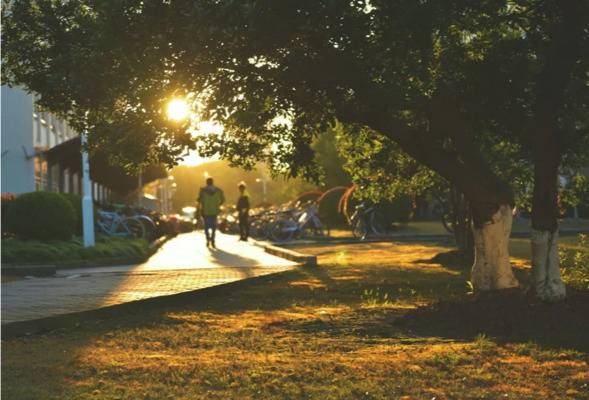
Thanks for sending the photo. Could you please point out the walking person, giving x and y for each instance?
(210, 199)
(243, 209)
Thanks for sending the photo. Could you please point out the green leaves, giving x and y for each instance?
(109, 66)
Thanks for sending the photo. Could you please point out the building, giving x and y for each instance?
(27, 136)
(157, 195)
(42, 152)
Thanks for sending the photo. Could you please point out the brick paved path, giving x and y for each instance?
(182, 264)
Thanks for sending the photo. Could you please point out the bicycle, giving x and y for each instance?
(113, 224)
(367, 220)
(260, 223)
(300, 223)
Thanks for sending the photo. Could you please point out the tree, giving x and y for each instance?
(566, 52)
(384, 171)
(435, 78)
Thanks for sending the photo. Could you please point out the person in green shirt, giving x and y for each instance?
(210, 199)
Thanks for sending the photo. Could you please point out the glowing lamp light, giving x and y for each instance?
(178, 110)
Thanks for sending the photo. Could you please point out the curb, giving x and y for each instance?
(156, 244)
(50, 269)
(303, 259)
(29, 270)
(382, 239)
(14, 330)
(393, 238)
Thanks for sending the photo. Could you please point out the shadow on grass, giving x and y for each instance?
(364, 302)
(455, 260)
(506, 318)
(372, 301)
(458, 260)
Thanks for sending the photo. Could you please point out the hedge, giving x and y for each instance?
(41, 216)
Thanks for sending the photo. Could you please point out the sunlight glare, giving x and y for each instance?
(178, 109)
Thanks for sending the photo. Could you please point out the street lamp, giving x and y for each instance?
(263, 181)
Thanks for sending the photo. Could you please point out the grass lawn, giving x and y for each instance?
(410, 228)
(520, 248)
(34, 251)
(375, 321)
(436, 227)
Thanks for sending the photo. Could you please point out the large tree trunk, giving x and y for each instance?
(551, 85)
(545, 259)
(456, 219)
(546, 266)
(463, 165)
(461, 221)
(492, 269)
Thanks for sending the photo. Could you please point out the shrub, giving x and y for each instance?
(398, 210)
(42, 216)
(76, 201)
(575, 264)
(7, 200)
(34, 251)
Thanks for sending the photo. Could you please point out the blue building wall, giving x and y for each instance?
(18, 164)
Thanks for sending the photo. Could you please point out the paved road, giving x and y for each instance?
(182, 264)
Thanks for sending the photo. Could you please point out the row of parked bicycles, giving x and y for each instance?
(123, 221)
(298, 219)
(302, 220)
(279, 224)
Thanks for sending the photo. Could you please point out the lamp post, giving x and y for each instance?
(140, 189)
(87, 203)
(263, 181)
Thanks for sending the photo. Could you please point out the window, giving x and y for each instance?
(40, 174)
(66, 180)
(54, 171)
(75, 183)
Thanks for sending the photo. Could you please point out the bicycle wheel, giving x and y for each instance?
(359, 230)
(283, 230)
(102, 228)
(447, 222)
(149, 227)
(314, 229)
(326, 230)
(134, 227)
(259, 230)
(378, 223)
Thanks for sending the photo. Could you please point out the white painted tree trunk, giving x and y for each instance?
(546, 266)
(492, 269)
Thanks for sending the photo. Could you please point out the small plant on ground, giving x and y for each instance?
(575, 264)
(374, 297)
(484, 344)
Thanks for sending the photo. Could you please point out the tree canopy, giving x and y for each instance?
(440, 80)
(432, 77)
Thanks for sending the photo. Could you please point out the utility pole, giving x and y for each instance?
(87, 202)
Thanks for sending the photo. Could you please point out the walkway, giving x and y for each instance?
(182, 264)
